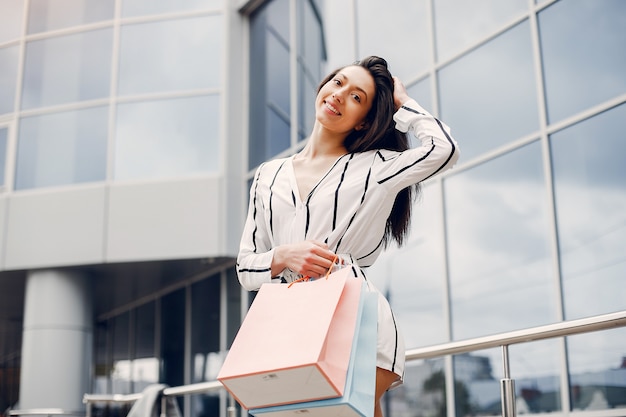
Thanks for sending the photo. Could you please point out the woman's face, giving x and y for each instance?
(344, 101)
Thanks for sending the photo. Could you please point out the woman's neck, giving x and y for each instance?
(323, 143)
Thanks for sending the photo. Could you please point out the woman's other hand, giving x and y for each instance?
(308, 258)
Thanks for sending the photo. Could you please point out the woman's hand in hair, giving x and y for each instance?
(400, 96)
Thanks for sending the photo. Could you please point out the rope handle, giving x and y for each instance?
(308, 278)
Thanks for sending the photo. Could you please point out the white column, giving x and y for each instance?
(57, 340)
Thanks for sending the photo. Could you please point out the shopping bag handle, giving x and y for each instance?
(308, 278)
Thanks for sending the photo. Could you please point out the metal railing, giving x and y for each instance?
(503, 340)
(50, 412)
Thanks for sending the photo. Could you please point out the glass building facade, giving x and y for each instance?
(151, 117)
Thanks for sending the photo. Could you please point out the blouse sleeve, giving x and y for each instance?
(437, 152)
(254, 261)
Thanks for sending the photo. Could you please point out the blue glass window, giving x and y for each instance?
(8, 78)
(46, 15)
(584, 58)
(11, 19)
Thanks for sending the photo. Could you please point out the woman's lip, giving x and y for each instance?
(332, 108)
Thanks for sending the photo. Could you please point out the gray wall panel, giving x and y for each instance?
(51, 229)
(165, 220)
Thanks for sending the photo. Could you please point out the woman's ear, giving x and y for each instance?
(363, 125)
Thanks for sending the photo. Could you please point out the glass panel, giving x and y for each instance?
(4, 133)
(423, 392)
(413, 277)
(62, 148)
(488, 97)
(597, 366)
(589, 170)
(277, 13)
(535, 367)
(460, 24)
(68, 68)
(206, 358)
(45, 15)
(8, 78)
(476, 387)
(189, 55)
(172, 338)
(11, 20)
(131, 8)
(498, 240)
(269, 84)
(145, 363)
(234, 306)
(408, 53)
(582, 67)
(167, 138)
(101, 355)
(120, 371)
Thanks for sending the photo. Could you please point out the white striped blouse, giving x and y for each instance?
(349, 206)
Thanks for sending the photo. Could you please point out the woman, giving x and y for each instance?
(347, 193)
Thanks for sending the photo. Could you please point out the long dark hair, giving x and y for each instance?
(380, 133)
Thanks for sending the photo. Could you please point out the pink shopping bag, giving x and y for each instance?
(294, 344)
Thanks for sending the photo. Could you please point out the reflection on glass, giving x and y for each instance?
(172, 333)
(167, 138)
(277, 74)
(188, 55)
(100, 382)
(413, 276)
(67, 68)
(408, 51)
(8, 78)
(476, 388)
(459, 24)
(277, 14)
(45, 15)
(488, 96)
(597, 366)
(206, 358)
(535, 367)
(4, 132)
(589, 170)
(423, 392)
(498, 239)
(62, 148)
(132, 8)
(582, 68)
(11, 19)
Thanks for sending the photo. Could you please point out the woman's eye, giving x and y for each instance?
(356, 97)
(337, 82)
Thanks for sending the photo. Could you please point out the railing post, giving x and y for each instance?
(231, 411)
(507, 386)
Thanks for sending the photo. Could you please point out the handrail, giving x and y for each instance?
(45, 412)
(565, 328)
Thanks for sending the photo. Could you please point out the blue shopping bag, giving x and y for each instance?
(358, 398)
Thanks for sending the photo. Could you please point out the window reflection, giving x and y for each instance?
(488, 96)
(45, 15)
(499, 246)
(476, 388)
(459, 24)
(597, 366)
(11, 20)
(167, 138)
(132, 8)
(62, 148)
(119, 372)
(408, 52)
(68, 68)
(582, 68)
(145, 365)
(188, 55)
(413, 276)
(8, 78)
(590, 192)
(423, 392)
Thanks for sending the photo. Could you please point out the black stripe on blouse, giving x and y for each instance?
(256, 185)
(271, 198)
(428, 153)
(343, 175)
(366, 186)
